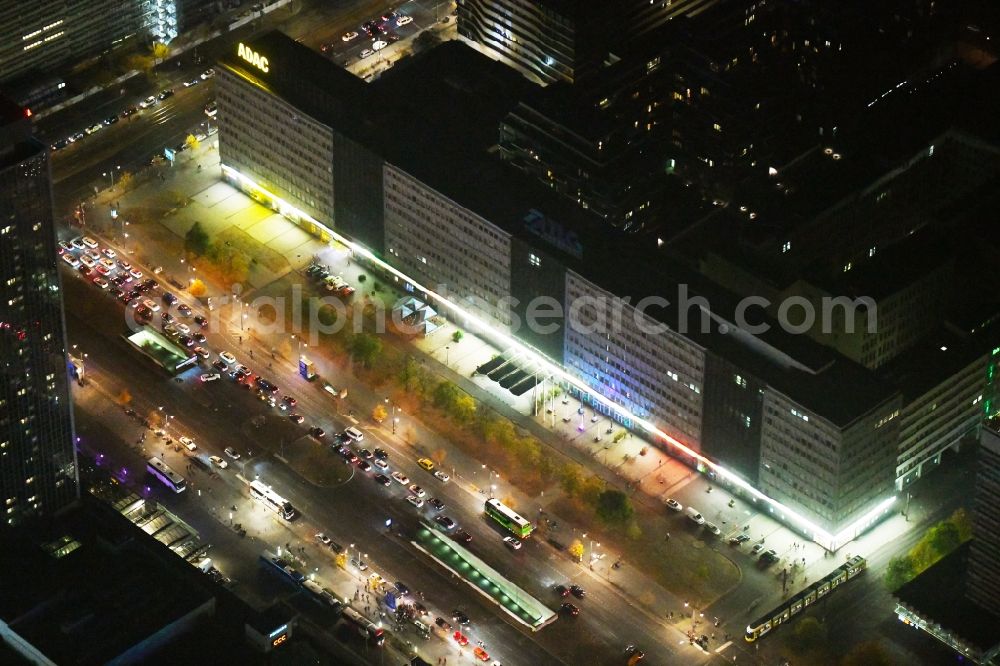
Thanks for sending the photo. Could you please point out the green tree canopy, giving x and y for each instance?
(364, 348)
(196, 240)
(614, 506)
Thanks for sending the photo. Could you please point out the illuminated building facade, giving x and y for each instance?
(38, 473)
(42, 35)
(775, 416)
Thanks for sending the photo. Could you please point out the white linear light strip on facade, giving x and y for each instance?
(820, 535)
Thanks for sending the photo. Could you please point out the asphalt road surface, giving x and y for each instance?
(220, 414)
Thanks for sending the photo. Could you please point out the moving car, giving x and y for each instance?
(404, 20)
(187, 443)
(101, 282)
(232, 453)
(436, 504)
(348, 36)
(378, 45)
(441, 476)
(210, 377)
(739, 539)
(383, 479)
(569, 609)
(401, 478)
(445, 522)
(426, 463)
(218, 462)
(415, 501)
(323, 539)
(89, 242)
(148, 102)
(463, 536)
(317, 432)
(417, 490)
(512, 543)
(673, 504)
(227, 358)
(577, 591)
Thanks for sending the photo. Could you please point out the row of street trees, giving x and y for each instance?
(521, 455)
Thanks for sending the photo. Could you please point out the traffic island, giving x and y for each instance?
(483, 578)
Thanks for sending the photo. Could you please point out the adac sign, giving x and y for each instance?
(254, 58)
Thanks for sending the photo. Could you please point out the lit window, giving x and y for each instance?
(786, 246)
(534, 260)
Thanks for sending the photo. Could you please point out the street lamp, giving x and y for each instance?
(111, 173)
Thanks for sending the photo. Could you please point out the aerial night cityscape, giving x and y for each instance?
(503, 332)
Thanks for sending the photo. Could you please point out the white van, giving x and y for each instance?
(354, 434)
(693, 514)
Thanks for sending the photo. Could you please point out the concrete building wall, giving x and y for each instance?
(658, 376)
(733, 415)
(983, 585)
(832, 474)
(938, 420)
(447, 247)
(299, 164)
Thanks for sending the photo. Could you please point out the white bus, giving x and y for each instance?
(272, 500)
(365, 627)
(169, 477)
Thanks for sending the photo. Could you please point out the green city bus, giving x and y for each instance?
(514, 523)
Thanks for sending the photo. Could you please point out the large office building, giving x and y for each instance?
(563, 40)
(779, 415)
(37, 37)
(37, 456)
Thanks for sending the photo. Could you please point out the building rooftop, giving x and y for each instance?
(92, 587)
(939, 357)
(938, 594)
